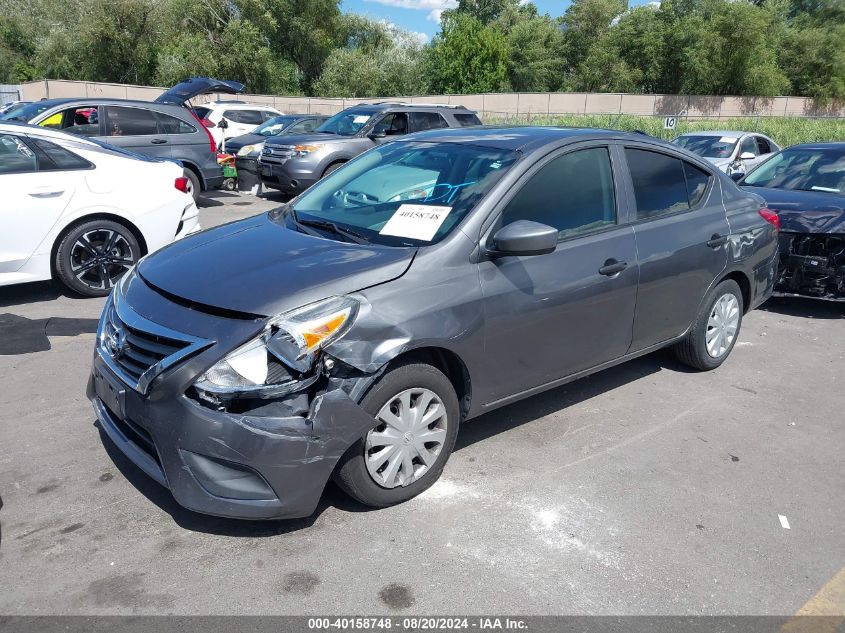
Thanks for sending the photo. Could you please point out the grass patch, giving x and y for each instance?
(785, 131)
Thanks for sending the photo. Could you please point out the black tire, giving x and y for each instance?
(72, 256)
(193, 183)
(692, 350)
(332, 168)
(351, 473)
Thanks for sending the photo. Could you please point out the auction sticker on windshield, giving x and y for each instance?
(416, 221)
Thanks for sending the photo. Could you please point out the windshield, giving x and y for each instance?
(27, 112)
(405, 193)
(273, 126)
(708, 146)
(802, 170)
(346, 123)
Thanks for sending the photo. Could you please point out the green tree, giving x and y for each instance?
(467, 56)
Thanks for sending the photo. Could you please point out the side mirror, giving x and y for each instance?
(375, 135)
(747, 156)
(736, 176)
(525, 237)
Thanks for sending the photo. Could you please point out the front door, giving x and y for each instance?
(33, 201)
(682, 233)
(549, 316)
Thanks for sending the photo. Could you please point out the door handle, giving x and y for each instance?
(716, 240)
(612, 267)
(46, 194)
(158, 141)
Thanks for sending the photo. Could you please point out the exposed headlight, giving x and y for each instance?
(248, 150)
(291, 341)
(304, 150)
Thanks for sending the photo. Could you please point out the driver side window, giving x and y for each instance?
(393, 124)
(574, 193)
(748, 145)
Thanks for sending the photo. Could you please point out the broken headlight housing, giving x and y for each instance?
(276, 361)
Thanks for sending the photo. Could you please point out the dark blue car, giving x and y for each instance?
(805, 186)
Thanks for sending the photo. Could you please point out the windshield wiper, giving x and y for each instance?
(325, 225)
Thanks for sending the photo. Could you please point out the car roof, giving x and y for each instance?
(834, 145)
(525, 138)
(235, 105)
(388, 105)
(736, 133)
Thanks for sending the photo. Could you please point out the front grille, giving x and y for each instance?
(276, 153)
(138, 350)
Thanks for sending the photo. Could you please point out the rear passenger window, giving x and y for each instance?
(467, 119)
(122, 121)
(573, 193)
(660, 185)
(247, 117)
(172, 125)
(697, 180)
(55, 158)
(427, 121)
(15, 156)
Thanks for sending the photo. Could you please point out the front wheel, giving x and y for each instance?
(93, 256)
(416, 418)
(713, 335)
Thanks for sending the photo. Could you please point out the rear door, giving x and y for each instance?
(681, 233)
(549, 316)
(38, 180)
(137, 129)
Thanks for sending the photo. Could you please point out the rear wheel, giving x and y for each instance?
(416, 418)
(194, 186)
(93, 256)
(713, 335)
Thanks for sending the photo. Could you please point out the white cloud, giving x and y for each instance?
(435, 15)
(400, 36)
(426, 5)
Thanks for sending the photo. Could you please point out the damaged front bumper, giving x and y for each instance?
(215, 462)
(811, 265)
(263, 459)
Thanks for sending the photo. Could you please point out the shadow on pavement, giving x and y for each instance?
(809, 308)
(475, 431)
(21, 335)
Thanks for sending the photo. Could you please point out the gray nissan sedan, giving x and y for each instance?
(348, 333)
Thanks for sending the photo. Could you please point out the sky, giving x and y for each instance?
(422, 17)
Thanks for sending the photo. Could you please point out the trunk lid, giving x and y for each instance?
(805, 211)
(193, 86)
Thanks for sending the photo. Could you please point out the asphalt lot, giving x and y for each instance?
(647, 489)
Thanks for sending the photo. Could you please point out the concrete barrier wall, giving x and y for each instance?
(503, 105)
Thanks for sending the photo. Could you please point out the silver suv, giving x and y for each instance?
(294, 163)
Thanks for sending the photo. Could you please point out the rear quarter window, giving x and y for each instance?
(466, 119)
(55, 158)
(173, 125)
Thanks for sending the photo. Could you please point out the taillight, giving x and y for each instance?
(771, 217)
(182, 184)
(211, 142)
(208, 123)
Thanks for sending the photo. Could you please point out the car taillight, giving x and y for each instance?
(211, 142)
(182, 184)
(208, 123)
(771, 217)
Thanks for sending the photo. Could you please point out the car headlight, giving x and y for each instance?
(291, 341)
(248, 150)
(304, 150)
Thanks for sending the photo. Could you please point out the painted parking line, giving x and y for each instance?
(829, 602)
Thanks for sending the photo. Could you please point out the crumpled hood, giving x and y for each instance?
(805, 211)
(260, 267)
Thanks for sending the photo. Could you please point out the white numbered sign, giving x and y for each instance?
(670, 122)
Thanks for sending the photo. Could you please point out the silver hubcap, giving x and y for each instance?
(100, 257)
(722, 325)
(408, 439)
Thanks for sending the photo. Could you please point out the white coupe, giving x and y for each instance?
(82, 211)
